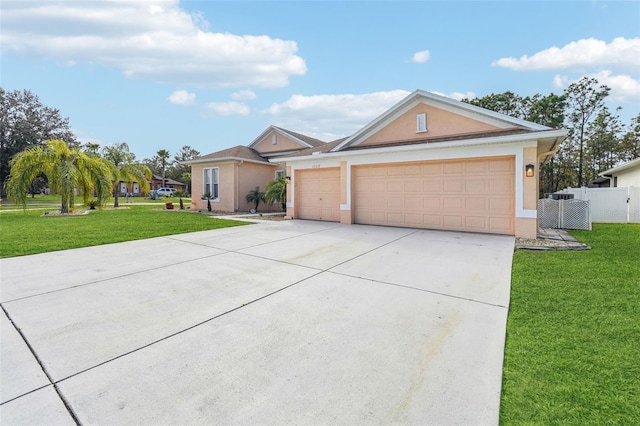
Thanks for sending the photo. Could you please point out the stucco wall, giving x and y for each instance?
(282, 143)
(439, 123)
(251, 175)
(226, 189)
(629, 177)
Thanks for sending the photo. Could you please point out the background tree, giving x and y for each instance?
(602, 150)
(163, 156)
(66, 169)
(24, 123)
(584, 100)
(630, 143)
(91, 149)
(125, 168)
(255, 196)
(277, 192)
(178, 168)
(186, 178)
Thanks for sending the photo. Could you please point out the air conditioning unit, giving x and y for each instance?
(561, 196)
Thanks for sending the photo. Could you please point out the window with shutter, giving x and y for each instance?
(421, 120)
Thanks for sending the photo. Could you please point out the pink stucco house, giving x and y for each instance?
(230, 174)
(428, 162)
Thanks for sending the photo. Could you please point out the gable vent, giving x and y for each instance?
(274, 139)
(421, 122)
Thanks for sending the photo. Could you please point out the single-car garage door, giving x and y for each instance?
(318, 194)
(463, 195)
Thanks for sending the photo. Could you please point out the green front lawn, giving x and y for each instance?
(28, 232)
(572, 353)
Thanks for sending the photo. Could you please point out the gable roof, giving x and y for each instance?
(458, 107)
(324, 148)
(167, 181)
(303, 140)
(239, 153)
(626, 166)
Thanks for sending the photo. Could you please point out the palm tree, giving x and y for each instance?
(126, 170)
(180, 193)
(163, 155)
(277, 192)
(66, 169)
(186, 177)
(207, 196)
(255, 196)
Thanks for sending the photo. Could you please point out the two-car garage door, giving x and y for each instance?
(474, 195)
(463, 195)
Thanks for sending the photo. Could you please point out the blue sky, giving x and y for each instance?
(209, 74)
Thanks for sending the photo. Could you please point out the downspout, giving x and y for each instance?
(236, 203)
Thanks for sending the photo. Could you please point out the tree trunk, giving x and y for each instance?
(115, 197)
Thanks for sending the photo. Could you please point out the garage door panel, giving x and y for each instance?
(432, 169)
(412, 219)
(472, 195)
(452, 168)
(501, 223)
(432, 220)
(501, 165)
(452, 221)
(412, 170)
(500, 204)
(452, 203)
(475, 167)
(394, 186)
(318, 194)
(476, 222)
(500, 186)
(413, 204)
(413, 185)
(432, 203)
(480, 185)
(453, 185)
(478, 204)
(432, 185)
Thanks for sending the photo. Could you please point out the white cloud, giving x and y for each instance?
(243, 95)
(329, 117)
(623, 87)
(228, 108)
(421, 57)
(583, 54)
(182, 97)
(150, 39)
(560, 81)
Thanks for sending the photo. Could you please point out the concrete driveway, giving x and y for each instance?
(293, 322)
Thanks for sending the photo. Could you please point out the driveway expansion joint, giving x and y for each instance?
(44, 370)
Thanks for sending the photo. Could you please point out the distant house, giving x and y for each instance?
(627, 174)
(230, 174)
(156, 183)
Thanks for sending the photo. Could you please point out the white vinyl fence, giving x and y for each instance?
(610, 205)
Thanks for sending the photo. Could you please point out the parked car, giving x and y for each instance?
(161, 192)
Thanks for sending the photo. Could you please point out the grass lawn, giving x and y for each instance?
(572, 353)
(28, 232)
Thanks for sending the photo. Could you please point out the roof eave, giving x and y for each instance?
(222, 159)
(554, 134)
(621, 168)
